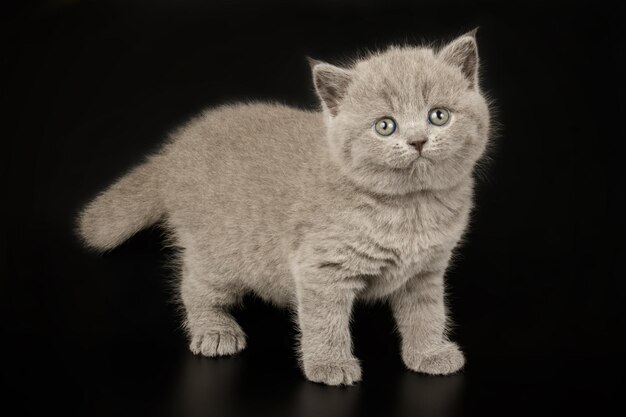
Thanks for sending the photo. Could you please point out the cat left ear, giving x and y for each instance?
(331, 84)
(463, 53)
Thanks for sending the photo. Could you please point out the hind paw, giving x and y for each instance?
(218, 343)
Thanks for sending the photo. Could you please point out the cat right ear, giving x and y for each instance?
(331, 84)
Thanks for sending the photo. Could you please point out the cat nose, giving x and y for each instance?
(418, 144)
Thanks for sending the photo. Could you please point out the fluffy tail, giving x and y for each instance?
(126, 207)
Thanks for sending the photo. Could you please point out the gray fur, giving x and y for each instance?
(314, 210)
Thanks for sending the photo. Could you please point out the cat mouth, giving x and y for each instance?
(422, 159)
(408, 163)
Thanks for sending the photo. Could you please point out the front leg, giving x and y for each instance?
(420, 314)
(324, 309)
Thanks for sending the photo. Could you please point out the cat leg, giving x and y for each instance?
(207, 297)
(324, 310)
(420, 314)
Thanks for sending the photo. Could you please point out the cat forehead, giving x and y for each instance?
(405, 56)
(408, 75)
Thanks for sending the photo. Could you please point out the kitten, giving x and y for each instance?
(313, 210)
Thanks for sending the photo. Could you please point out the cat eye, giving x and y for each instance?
(385, 126)
(439, 117)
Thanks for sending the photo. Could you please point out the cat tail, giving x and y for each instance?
(126, 207)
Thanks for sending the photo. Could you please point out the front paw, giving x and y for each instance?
(345, 372)
(443, 360)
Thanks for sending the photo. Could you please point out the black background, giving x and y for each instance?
(537, 292)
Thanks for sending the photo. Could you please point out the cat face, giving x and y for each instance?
(406, 119)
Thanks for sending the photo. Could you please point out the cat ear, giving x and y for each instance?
(331, 83)
(463, 53)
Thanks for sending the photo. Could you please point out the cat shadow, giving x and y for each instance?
(265, 380)
(314, 400)
(410, 395)
(234, 386)
(423, 395)
(207, 387)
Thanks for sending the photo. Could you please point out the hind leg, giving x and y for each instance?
(207, 298)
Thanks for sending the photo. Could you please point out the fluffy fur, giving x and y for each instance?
(314, 210)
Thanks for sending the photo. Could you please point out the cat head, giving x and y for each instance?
(406, 119)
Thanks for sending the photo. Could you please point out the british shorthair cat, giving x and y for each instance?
(313, 210)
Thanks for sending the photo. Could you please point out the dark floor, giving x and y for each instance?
(537, 292)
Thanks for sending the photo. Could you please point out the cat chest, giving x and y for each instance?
(411, 260)
(416, 249)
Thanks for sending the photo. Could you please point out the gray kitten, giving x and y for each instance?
(314, 210)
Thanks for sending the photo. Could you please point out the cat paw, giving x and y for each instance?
(444, 360)
(217, 343)
(335, 373)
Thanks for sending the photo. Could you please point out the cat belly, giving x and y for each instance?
(277, 288)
